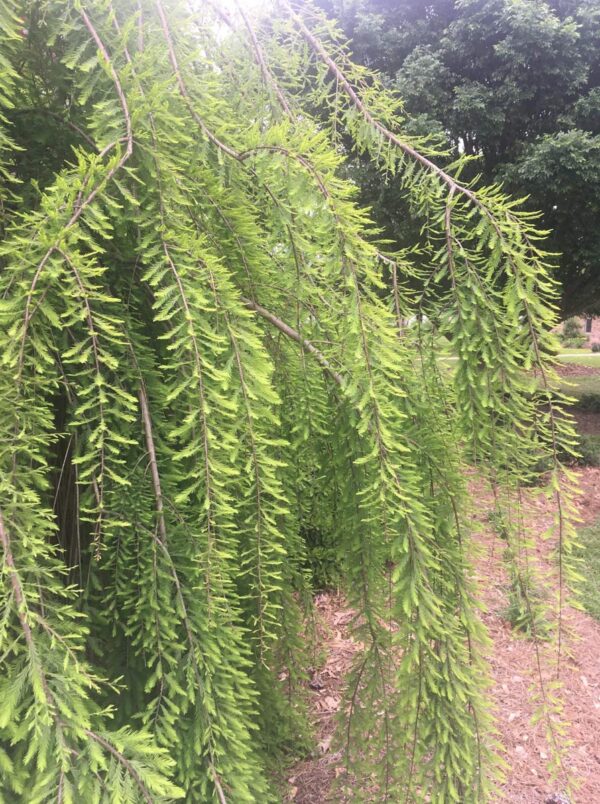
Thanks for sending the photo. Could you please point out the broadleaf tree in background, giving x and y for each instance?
(513, 83)
(207, 358)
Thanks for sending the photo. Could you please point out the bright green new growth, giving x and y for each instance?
(205, 356)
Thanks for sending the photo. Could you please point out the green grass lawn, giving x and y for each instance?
(586, 358)
(589, 553)
(579, 350)
(579, 386)
(580, 357)
(572, 386)
(586, 384)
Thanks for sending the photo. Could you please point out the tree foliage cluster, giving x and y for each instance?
(204, 361)
(515, 84)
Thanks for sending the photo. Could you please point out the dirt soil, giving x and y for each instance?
(513, 665)
(575, 370)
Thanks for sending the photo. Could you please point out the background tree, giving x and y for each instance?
(203, 360)
(515, 84)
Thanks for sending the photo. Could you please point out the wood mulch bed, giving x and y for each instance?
(514, 677)
(576, 370)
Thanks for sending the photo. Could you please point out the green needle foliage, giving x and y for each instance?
(208, 363)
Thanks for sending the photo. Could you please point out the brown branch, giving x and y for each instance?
(123, 761)
(158, 496)
(306, 163)
(96, 352)
(362, 108)
(22, 608)
(259, 55)
(116, 82)
(268, 76)
(15, 581)
(197, 356)
(290, 332)
(399, 324)
(186, 621)
(61, 784)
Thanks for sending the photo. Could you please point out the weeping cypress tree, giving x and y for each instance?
(206, 356)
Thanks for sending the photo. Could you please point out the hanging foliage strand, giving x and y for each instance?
(208, 366)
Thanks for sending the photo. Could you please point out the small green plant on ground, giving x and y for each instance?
(498, 523)
(527, 608)
(322, 559)
(527, 604)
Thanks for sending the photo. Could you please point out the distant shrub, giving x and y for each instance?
(572, 335)
(596, 346)
(589, 401)
(589, 450)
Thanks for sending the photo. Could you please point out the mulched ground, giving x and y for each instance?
(575, 370)
(514, 677)
(587, 422)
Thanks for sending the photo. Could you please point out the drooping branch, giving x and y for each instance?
(82, 202)
(376, 124)
(182, 87)
(41, 110)
(290, 332)
(17, 587)
(268, 76)
(158, 495)
(259, 55)
(122, 760)
(231, 478)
